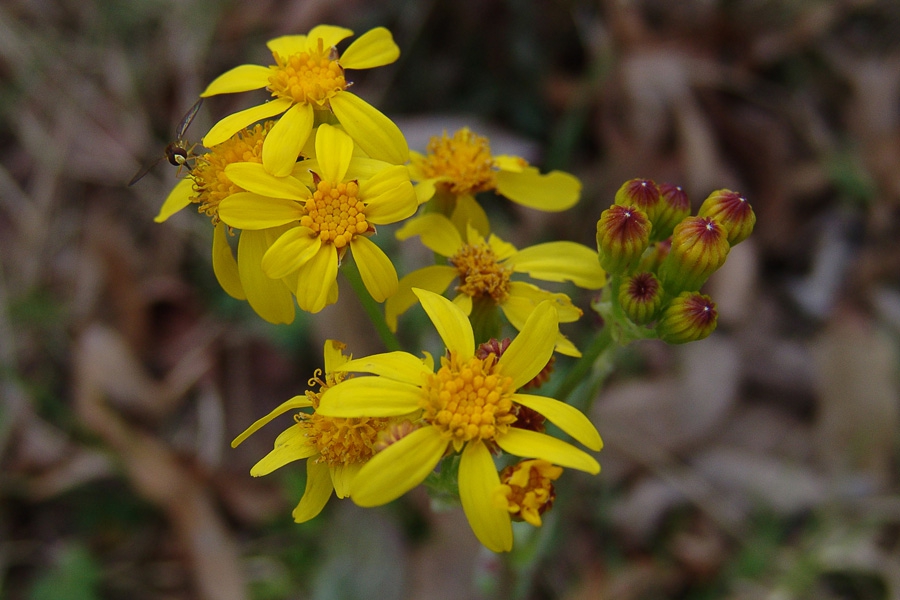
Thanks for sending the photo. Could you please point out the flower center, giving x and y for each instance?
(307, 77)
(465, 160)
(335, 213)
(340, 441)
(526, 489)
(480, 275)
(211, 185)
(468, 400)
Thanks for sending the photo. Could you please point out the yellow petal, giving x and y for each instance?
(434, 279)
(468, 212)
(286, 45)
(334, 355)
(398, 468)
(334, 149)
(363, 167)
(224, 265)
(399, 366)
(318, 492)
(233, 123)
(565, 416)
(502, 249)
(530, 294)
(293, 249)
(377, 135)
(342, 477)
(239, 79)
(370, 397)
(531, 444)
(517, 309)
(375, 268)
(389, 196)
(283, 143)
(530, 351)
(268, 297)
(560, 261)
(436, 232)
(374, 48)
(478, 480)
(253, 177)
(316, 278)
(424, 190)
(295, 403)
(509, 162)
(451, 324)
(178, 198)
(464, 303)
(331, 35)
(556, 191)
(292, 444)
(246, 210)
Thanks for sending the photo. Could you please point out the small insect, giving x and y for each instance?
(179, 152)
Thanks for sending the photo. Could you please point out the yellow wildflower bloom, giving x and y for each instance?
(462, 166)
(207, 185)
(333, 205)
(335, 447)
(483, 269)
(467, 406)
(526, 489)
(308, 76)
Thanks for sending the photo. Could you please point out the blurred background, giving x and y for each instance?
(761, 463)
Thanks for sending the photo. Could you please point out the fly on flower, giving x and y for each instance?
(179, 152)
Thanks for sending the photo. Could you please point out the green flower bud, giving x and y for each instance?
(689, 317)
(654, 255)
(640, 296)
(733, 212)
(623, 233)
(699, 247)
(674, 206)
(642, 193)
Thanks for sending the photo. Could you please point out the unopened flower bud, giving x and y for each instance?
(640, 296)
(623, 233)
(733, 211)
(654, 255)
(674, 206)
(699, 247)
(642, 193)
(691, 316)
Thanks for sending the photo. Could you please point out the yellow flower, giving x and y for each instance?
(335, 447)
(207, 185)
(483, 269)
(526, 489)
(463, 166)
(308, 76)
(334, 206)
(467, 406)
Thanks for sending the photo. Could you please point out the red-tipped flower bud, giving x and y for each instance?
(640, 296)
(642, 193)
(654, 255)
(689, 317)
(731, 210)
(674, 206)
(699, 247)
(623, 233)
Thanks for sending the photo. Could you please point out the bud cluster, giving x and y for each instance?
(658, 256)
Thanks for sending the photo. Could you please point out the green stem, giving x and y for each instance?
(373, 309)
(576, 375)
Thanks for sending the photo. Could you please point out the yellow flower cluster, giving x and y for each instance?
(296, 183)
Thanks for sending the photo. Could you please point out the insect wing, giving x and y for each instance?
(186, 120)
(144, 170)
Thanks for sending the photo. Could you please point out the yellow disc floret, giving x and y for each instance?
(464, 161)
(211, 185)
(335, 212)
(526, 489)
(307, 77)
(468, 400)
(480, 275)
